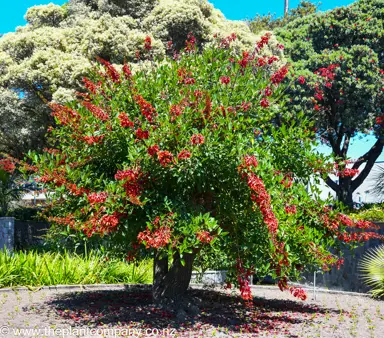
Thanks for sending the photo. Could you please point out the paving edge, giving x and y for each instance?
(78, 287)
(86, 287)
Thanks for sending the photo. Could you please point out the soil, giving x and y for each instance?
(130, 312)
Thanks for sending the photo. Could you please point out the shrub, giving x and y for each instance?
(373, 214)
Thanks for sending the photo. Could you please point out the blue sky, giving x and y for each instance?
(12, 12)
(12, 15)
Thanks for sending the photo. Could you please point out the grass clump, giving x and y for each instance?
(35, 268)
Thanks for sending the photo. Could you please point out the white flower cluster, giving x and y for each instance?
(46, 15)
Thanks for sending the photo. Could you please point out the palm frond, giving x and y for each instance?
(377, 187)
(371, 267)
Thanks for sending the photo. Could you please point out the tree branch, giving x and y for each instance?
(346, 144)
(332, 184)
(370, 157)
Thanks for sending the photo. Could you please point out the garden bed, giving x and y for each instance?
(223, 314)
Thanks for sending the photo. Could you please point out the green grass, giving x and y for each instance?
(33, 269)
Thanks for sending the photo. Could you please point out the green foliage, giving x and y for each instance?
(373, 214)
(372, 269)
(10, 191)
(269, 21)
(25, 213)
(34, 268)
(196, 154)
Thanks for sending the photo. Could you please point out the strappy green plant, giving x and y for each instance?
(372, 270)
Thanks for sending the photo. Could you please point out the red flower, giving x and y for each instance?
(279, 76)
(125, 121)
(142, 134)
(244, 61)
(93, 139)
(127, 71)
(109, 221)
(111, 71)
(92, 87)
(190, 43)
(95, 110)
(159, 238)
(268, 91)
(165, 157)
(287, 181)
(301, 79)
(7, 165)
(145, 107)
(148, 43)
(204, 237)
(176, 110)
(298, 293)
(264, 102)
(189, 81)
(250, 161)
(272, 59)
(184, 154)
(197, 139)
(152, 150)
(263, 41)
(261, 62)
(290, 209)
(129, 174)
(319, 95)
(94, 197)
(225, 79)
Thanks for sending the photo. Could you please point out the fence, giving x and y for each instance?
(7, 233)
(348, 277)
(19, 235)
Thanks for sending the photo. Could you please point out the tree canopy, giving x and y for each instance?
(338, 62)
(195, 156)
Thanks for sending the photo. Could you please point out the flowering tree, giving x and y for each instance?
(339, 68)
(193, 156)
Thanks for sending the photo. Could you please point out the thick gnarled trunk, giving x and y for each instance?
(170, 283)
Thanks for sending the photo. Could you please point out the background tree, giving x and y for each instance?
(338, 63)
(187, 155)
(270, 22)
(49, 56)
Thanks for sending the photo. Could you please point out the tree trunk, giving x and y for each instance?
(345, 191)
(170, 284)
(285, 7)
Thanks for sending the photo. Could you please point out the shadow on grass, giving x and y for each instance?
(219, 312)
